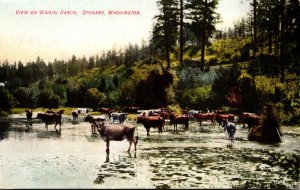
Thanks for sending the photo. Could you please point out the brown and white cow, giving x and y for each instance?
(93, 119)
(116, 132)
(75, 114)
(151, 121)
(204, 117)
(179, 119)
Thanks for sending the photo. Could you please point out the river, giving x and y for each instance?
(198, 158)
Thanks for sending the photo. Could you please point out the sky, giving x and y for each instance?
(25, 37)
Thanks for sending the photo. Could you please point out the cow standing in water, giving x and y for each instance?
(251, 119)
(229, 129)
(179, 119)
(75, 115)
(120, 117)
(93, 119)
(51, 117)
(151, 121)
(205, 116)
(115, 132)
(29, 117)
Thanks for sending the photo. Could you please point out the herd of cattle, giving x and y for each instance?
(149, 118)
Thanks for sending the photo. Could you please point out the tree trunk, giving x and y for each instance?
(181, 33)
(203, 37)
(282, 45)
(254, 28)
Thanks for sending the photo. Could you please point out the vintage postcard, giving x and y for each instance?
(155, 94)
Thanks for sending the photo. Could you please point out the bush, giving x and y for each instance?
(268, 131)
(197, 98)
(26, 97)
(94, 98)
(47, 99)
(7, 100)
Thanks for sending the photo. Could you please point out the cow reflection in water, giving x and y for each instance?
(124, 167)
(115, 132)
(47, 134)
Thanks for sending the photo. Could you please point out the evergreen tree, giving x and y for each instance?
(165, 29)
(202, 17)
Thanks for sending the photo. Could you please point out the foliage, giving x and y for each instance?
(268, 131)
(198, 13)
(7, 100)
(26, 97)
(94, 98)
(151, 93)
(174, 108)
(48, 99)
(165, 29)
(227, 77)
(136, 75)
(230, 50)
(192, 77)
(196, 98)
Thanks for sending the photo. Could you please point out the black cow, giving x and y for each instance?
(50, 118)
(29, 117)
(120, 117)
(75, 114)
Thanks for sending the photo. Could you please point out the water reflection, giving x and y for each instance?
(4, 129)
(48, 134)
(124, 167)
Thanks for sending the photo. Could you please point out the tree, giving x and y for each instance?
(7, 100)
(181, 40)
(152, 93)
(202, 19)
(94, 98)
(164, 35)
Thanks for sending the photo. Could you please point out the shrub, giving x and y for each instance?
(7, 100)
(197, 98)
(94, 98)
(268, 131)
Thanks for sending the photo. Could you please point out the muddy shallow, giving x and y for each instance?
(198, 158)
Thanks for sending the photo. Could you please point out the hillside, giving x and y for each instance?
(231, 80)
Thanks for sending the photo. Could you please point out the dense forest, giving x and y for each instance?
(187, 64)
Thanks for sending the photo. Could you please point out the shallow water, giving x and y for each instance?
(198, 158)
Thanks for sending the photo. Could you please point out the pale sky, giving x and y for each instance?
(25, 37)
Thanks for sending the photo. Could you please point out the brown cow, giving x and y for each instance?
(205, 116)
(49, 118)
(108, 111)
(151, 121)
(54, 111)
(251, 119)
(220, 118)
(115, 132)
(179, 119)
